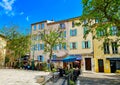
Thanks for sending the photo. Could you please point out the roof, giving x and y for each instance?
(66, 20)
(39, 22)
(52, 22)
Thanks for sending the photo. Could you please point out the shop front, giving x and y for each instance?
(114, 64)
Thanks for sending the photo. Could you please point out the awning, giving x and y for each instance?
(72, 58)
(113, 58)
(69, 58)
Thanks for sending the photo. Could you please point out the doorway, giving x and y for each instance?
(88, 64)
(113, 66)
(100, 65)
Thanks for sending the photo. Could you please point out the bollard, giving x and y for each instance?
(78, 82)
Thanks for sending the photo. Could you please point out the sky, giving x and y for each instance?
(25, 12)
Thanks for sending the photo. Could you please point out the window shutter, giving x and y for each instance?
(76, 44)
(98, 33)
(75, 32)
(84, 30)
(70, 45)
(64, 33)
(42, 58)
(42, 46)
(111, 29)
(83, 44)
(89, 44)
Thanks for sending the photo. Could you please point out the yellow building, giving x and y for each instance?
(76, 45)
(107, 54)
(2, 50)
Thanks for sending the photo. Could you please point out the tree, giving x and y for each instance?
(52, 39)
(17, 42)
(106, 14)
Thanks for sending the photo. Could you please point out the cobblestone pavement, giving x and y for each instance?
(20, 77)
(94, 79)
(99, 79)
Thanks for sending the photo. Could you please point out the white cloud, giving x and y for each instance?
(21, 13)
(7, 5)
(27, 18)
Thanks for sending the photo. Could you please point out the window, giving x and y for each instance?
(73, 24)
(86, 44)
(101, 33)
(34, 27)
(54, 56)
(96, 20)
(85, 30)
(40, 58)
(40, 47)
(106, 48)
(39, 26)
(113, 30)
(114, 48)
(73, 45)
(64, 34)
(62, 26)
(42, 26)
(85, 22)
(73, 32)
(64, 46)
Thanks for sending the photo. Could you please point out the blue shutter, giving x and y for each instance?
(75, 31)
(83, 44)
(42, 46)
(84, 30)
(38, 58)
(64, 33)
(70, 45)
(42, 58)
(89, 44)
(64, 46)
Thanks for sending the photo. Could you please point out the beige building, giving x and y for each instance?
(2, 50)
(76, 45)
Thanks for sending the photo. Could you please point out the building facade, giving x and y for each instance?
(2, 50)
(76, 45)
(107, 54)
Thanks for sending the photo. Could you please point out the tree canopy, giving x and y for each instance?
(102, 15)
(17, 42)
(52, 39)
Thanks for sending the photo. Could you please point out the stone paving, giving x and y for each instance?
(20, 77)
(99, 79)
(93, 79)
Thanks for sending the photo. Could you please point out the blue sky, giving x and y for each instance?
(25, 12)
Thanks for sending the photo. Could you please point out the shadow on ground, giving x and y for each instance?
(100, 81)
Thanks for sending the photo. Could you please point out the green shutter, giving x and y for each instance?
(84, 30)
(75, 32)
(42, 46)
(76, 44)
(89, 44)
(70, 45)
(111, 29)
(83, 44)
(98, 33)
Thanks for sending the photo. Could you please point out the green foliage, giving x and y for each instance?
(17, 42)
(44, 66)
(105, 12)
(52, 38)
(72, 82)
(7, 60)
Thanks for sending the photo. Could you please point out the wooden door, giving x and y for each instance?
(88, 64)
(100, 65)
